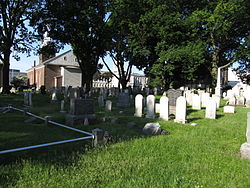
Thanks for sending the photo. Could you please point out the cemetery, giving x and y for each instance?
(124, 93)
(196, 146)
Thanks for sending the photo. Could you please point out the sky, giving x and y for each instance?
(26, 63)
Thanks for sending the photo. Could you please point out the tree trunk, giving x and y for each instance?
(215, 61)
(6, 70)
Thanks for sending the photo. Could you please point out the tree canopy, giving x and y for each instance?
(15, 35)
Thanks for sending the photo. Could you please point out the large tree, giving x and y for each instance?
(225, 27)
(123, 13)
(164, 41)
(82, 24)
(15, 37)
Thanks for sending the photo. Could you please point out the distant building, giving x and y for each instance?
(64, 70)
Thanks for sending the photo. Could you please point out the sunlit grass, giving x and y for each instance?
(205, 155)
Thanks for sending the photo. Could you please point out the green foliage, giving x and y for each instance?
(15, 36)
(81, 24)
(19, 80)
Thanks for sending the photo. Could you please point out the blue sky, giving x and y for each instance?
(26, 63)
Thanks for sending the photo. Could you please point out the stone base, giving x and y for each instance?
(78, 119)
(172, 110)
(245, 150)
(150, 116)
(180, 121)
(122, 105)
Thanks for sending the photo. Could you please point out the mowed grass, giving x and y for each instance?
(206, 155)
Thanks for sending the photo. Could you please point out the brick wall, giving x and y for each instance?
(51, 71)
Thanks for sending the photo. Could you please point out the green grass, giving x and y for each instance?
(206, 155)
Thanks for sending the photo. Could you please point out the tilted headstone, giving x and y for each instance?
(229, 109)
(164, 108)
(108, 106)
(79, 110)
(138, 105)
(245, 148)
(211, 109)
(181, 110)
(196, 102)
(152, 129)
(150, 106)
(123, 100)
(172, 97)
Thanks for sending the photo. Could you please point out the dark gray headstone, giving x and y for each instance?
(172, 97)
(123, 100)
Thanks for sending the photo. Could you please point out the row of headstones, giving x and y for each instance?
(181, 106)
(238, 95)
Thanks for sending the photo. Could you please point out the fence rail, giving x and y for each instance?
(90, 135)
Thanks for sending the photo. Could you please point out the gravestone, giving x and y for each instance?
(54, 95)
(152, 129)
(229, 109)
(245, 148)
(211, 109)
(101, 101)
(157, 107)
(230, 94)
(188, 95)
(123, 100)
(138, 105)
(62, 106)
(232, 101)
(217, 100)
(181, 110)
(108, 106)
(79, 110)
(248, 103)
(172, 97)
(196, 102)
(150, 106)
(240, 101)
(28, 98)
(164, 108)
(204, 99)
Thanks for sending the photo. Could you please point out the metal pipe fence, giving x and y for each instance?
(90, 135)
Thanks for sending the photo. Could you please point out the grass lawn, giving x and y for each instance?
(206, 155)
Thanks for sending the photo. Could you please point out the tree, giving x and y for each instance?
(167, 49)
(82, 24)
(15, 37)
(19, 80)
(122, 14)
(224, 27)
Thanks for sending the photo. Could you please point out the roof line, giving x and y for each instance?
(53, 58)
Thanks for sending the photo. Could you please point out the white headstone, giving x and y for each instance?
(229, 109)
(108, 106)
(150, 106)
(164, 111)
(138, 105)
(157, 107)
(204, 99)
(211, 109)
(181, 108)
(240, 100)
(196, 102)
(217, 100)
(232, 101)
